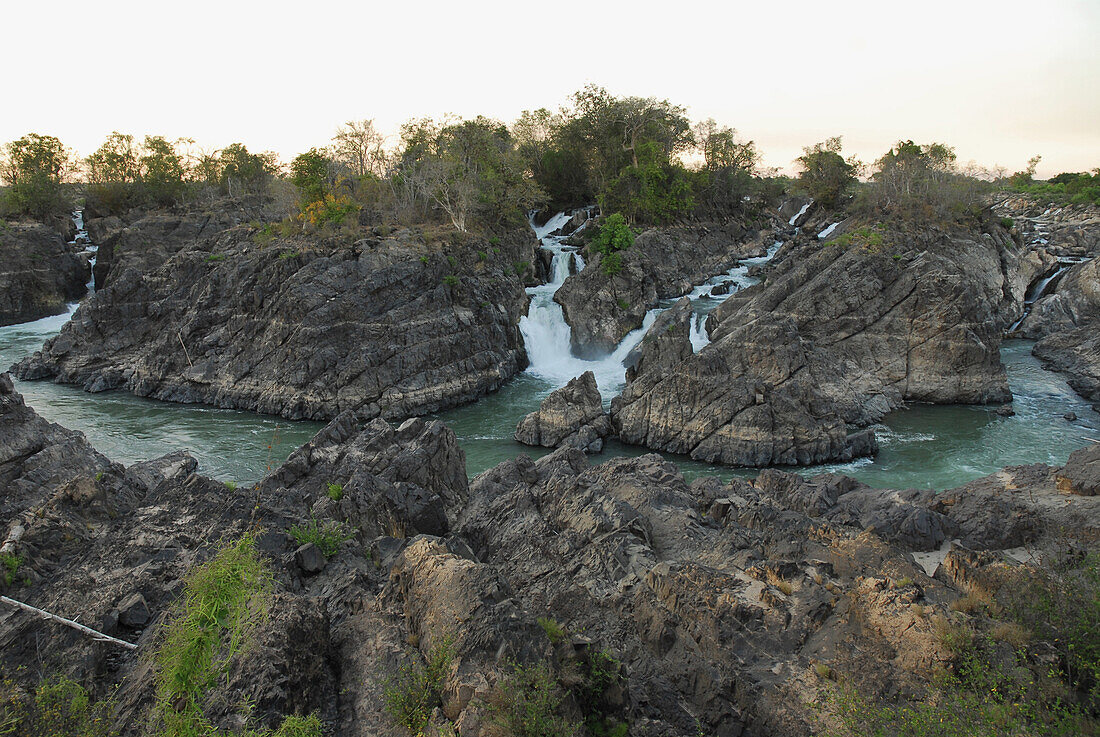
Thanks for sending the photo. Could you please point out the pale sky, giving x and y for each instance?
(999, 80)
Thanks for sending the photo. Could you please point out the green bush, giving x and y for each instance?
(60, 707)
(9, 566)
(327, 536)
(1007, 223)
(415, 691)
(450, 280)
(553, 630)
(335, 491)
(527, 701)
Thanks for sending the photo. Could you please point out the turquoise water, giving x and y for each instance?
(229, 445)
(924, 446)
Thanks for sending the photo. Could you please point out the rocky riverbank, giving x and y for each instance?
(645, 600)
(39, 272)
(841, 331)
(392, 324)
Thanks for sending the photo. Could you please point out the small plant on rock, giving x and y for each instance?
(416, 690)
(553, 630)
(335, 492)
(327, 536)
(9, 567)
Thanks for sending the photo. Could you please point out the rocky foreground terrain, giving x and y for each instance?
(603, 595)
(392, 324)
(39, 272)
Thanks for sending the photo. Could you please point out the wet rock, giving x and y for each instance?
(662, 263)
(39, 273)
(572, 416)
(1006, 411)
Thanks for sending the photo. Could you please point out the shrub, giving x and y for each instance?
(552, 629)
(624, 305)
(327, 536)
(224, 600)
(526, 703)
(450, 280)
(521, 266)
(231, 485)
(335, 491)
(415, 691)
(1007, 223)
(60, 707)
(9, 566)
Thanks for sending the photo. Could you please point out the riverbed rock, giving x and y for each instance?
(305, 328)
(572, 417)
(1068, 326)
(39, 273)
(840, 333)
(663, 263)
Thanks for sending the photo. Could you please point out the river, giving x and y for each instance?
(923, 446)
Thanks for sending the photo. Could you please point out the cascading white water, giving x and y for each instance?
(81, 238)
(828, 231)
(800, 213)
(547, 337)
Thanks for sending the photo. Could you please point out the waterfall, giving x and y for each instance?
(800, 213)
(828, 231)
(547, 337)
(81, 238)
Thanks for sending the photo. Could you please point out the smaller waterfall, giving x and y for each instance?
(828, 231)
(800, 213)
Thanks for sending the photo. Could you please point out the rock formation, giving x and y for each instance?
(840, 333)
(672, 607)
(663, 263)
(391, 325)
(39, 273)
(571, 417)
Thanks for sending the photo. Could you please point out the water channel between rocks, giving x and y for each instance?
(924, 446)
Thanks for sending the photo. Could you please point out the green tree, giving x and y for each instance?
(309, 172)
(33, 167)
(162, 170)
(115, 161)
(826, 175)
(243, 172)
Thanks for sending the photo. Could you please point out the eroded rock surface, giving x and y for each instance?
(304, 329)
(39, 273)
(721, 607)
(662, 263)
(840, 333)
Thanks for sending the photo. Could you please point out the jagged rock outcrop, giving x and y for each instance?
(1074, 302)
(392, 326)
(1068, 325)
(39, 273)
(721, 607)
(663, 263)
(572, 416)
(840, 333)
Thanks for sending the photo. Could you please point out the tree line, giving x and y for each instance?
(640, 157)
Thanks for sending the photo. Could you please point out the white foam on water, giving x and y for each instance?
(828, 231)
(800, 213)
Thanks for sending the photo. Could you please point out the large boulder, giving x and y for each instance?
(572, 416)
(1081, 474)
